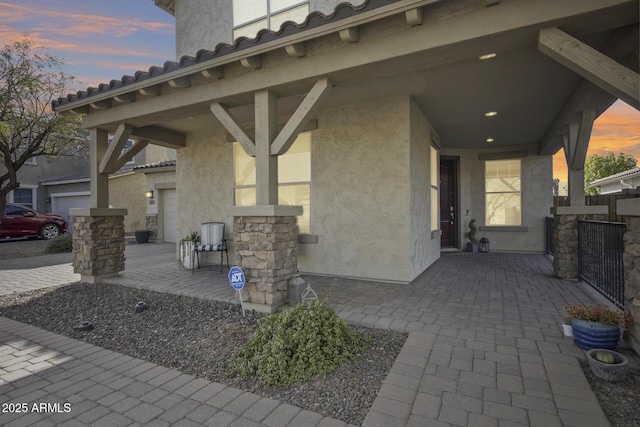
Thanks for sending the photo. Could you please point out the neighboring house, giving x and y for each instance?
(618, 182)
(58, 184)
(71, 171)
(392, 123)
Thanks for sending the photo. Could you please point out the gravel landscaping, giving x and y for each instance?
(198, 337)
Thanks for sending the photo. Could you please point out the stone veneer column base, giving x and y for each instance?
(266, 250)
(565, 236)
(98, 243)
(630, 209)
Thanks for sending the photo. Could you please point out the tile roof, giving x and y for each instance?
(313, 20)
(166, 163)
(616, 177)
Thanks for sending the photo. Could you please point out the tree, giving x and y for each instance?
(597, 167)
(28, 125)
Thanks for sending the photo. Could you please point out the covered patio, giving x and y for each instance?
(484, 341)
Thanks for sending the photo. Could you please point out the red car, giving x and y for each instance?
(21, 221)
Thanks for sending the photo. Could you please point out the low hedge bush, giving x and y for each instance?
(62, 243)
(298, 344)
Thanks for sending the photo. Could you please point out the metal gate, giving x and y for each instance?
(600, 257)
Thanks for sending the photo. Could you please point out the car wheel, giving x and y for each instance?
(49, 231)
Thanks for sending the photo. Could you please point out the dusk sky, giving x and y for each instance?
(101, 40)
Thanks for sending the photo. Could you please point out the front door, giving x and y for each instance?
(448, 202)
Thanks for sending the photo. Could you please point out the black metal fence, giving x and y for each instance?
(548, 229)
(600, 252)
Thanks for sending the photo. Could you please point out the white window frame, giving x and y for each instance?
(518, 192)
(267, 17)
(434, 190)
(34, 194)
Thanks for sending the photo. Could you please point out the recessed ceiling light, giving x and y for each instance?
(489, 140)
(491, 113)
(487, 56)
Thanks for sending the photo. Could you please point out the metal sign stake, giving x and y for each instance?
(236, 280)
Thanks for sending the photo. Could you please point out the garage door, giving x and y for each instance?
(60, 205)
(170, 215)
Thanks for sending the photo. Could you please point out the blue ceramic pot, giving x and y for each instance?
(590, 335)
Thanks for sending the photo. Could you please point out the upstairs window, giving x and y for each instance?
(503, 192)
(251, 16)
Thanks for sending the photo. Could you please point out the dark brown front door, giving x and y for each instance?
(448, 202)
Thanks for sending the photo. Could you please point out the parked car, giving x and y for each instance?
(21, 221)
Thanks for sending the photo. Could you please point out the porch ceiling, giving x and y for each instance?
(529, 91)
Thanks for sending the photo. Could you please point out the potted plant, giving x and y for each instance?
(472, 245)
(566, 324)
(596, 326)
(186, 248)
(142, 236)
(609, 365)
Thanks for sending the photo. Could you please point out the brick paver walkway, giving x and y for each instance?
(484, 349)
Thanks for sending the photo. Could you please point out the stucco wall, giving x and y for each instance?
(537, 199)
(128, 191)
(360, 192)
(424, 250)
(205, 187)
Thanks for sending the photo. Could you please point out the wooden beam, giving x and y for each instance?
(120, 138)
(215, 73)
(591, 64)
(414, 16)
(150, 90)
(125, 98)
(582, 139)
(98, 145)
(101, 105)
(301, 116)
(252, 62)
(266, 165)
(180, 82)
(160, 136)
(234, 127)
(296, 49)
(350, 35)
(130, 153)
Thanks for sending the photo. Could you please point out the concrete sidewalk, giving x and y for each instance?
(484, 349)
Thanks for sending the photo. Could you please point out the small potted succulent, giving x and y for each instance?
(609, 365)
(596, 326)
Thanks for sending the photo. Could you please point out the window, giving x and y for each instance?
(251, 16)
(435, 190)
(23, 196)
(503, 192)
(294, 178)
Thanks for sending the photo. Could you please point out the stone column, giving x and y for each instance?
(98, 243)
(630, 209)
(565, 236)
(266, 249)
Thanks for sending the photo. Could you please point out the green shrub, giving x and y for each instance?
(62, 243)
(297, 345)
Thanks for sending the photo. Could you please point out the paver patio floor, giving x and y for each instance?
(484, 346)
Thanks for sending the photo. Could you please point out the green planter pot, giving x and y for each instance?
(590, 335)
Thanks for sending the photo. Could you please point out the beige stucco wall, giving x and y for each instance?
(205, 187)
(537, 175)
(360, 192)
(368, 198)
(128, 191)
(424, 245)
